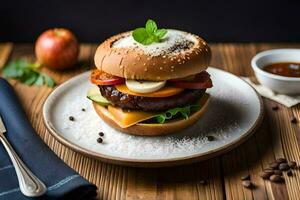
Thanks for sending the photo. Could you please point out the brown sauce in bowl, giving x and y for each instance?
(289, 69)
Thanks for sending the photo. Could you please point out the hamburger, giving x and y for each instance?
(151, 81)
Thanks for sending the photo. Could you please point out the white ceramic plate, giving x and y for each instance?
(235, 110)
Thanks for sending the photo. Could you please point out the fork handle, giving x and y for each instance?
(29, 184)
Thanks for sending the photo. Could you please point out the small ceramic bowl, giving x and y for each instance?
(277, 83)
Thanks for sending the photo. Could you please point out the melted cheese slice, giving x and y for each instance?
(128, 118)
(163, 92)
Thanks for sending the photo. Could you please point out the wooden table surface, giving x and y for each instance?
(277, 137)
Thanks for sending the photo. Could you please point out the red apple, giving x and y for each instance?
(57, 49)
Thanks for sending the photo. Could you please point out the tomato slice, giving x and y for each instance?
(201, 81)
(99, 77)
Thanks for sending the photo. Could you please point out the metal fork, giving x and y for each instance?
(29, 184)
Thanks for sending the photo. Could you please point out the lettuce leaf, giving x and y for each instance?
(179, 112)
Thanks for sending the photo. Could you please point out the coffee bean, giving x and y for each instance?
(101, 134)
(276, 178)
(274, 165)
(278, 172)
(275, 108)
(266, 174)
(99, 140)
(289, 173)
(71, 118)
(293, 120)
(210, 138)
(292, 164)
(247, 184)
(246, 177)
(281, 160)
(284, 167)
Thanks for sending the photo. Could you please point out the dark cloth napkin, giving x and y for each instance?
(62, 182)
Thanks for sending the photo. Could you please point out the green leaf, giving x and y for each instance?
(29, 78)
(21, 63)
(181, 112)
(160, 118)
(149, 34)
(40, 80)
(151, 26)
(49, 81)
(160, 33)
(10, 72)
(27, 73)
(142, 36)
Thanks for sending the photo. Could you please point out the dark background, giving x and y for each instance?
(93, 21)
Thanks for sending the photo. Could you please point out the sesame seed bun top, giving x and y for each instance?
(177, 55)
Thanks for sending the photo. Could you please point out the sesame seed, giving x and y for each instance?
(144, 64)
(164, 62)
(172, 70)
(148, 58)
(160, 68)
(153, 64)
(172, 67)
(146, 69)
(164, 56)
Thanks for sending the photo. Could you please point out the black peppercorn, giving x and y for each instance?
(71, 118)
(99, 140)
(101, 134)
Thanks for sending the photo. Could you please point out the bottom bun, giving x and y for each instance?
(154, 129)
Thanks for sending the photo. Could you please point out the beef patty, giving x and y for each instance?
(128, 101)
